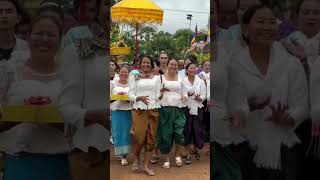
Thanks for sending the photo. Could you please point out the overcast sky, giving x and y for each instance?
(173, 20)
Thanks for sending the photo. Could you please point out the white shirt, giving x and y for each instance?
(87, 81)
(23, 83)
(311, 45)
(115, 88)
(285, 82)
(227, 99)
(176, 91)
(198, 88)
(20, 53)
(145, 87)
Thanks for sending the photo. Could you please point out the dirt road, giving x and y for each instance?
(198, 170)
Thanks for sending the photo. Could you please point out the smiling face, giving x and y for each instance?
(191, 71)
(262, 28)
(145, 65)
(309, 17)
(123, 74)
(173, 66)
(45, 38)
(8, 15)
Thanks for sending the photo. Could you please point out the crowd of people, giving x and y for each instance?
(166, 110)
(265, 101)
(56, 58)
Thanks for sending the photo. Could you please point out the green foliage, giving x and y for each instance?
(152, 42)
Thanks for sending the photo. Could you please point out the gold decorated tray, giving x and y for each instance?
(117, 97)
(120, 51)
(31, 113)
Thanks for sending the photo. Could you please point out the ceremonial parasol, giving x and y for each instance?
(137, 12)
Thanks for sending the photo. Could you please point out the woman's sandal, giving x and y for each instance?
(178, 161)
(188, 160)
(154, 159)
(124, 162)
(149, 172)
(197, 155)
(166, 165)
(135, 165)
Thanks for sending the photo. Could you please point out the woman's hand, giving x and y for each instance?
(256, 104)
(239, 120)
(184, 99)
(281, 116)
(98, 117)
(144, 99)
(197, 98)
(164, 89)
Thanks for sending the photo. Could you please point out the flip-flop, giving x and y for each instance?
(188, 160)
(166, 165)
(149, 172)
(178, 161)
(135, 165)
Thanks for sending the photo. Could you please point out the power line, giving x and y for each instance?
(187, 11)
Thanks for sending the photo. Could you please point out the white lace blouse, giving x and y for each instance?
(198, 88)
(115, 88)
(173, 97)
(87, 82)
(145, 87)
(19, 83)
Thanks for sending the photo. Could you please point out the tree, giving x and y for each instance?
(181, 40)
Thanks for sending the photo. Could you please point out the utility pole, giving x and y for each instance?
(189, 17)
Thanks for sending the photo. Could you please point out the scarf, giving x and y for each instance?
(87, 47)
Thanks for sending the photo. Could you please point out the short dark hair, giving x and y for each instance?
(17, 5)
(116, 64)
(171, 60)
(193, 59)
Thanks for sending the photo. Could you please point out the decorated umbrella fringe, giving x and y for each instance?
(136, 12)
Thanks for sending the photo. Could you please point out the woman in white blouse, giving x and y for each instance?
(194, 131)
(114, 68)
(121, 116)
(305, 42)
(31, 147)
(276, 87)
(229, 111)
(205, 75)
(172, 119)
(85, 101)
(144, 91)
